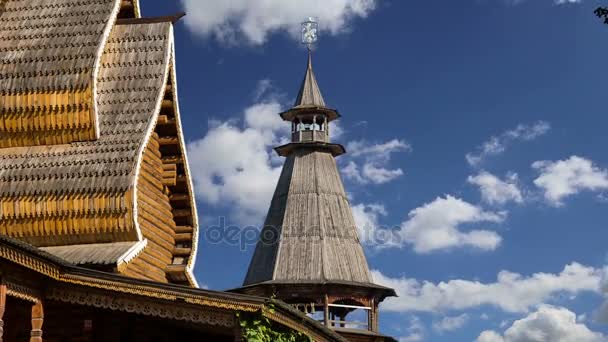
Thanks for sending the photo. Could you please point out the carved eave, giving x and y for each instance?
(298, 290)
(334, 149)
(60, 281)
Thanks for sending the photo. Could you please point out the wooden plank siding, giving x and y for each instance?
(155, 218)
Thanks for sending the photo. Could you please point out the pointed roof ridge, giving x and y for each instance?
(309, 94)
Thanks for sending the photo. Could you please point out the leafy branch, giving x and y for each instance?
(602, 13)
(258, 328)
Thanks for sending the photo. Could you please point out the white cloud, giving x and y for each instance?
(548, 323)
(416, 331)
(374, 158)
(496, 191)
(253, 21)
(366, 218)
(563, 178)
(490, 336)
(498, 144)
(511, 292)
(233, 166)
(451, 323)
(561, 2)
(436, 226)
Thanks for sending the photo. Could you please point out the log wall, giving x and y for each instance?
(155, 218)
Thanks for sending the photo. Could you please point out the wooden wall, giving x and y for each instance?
(155, 218)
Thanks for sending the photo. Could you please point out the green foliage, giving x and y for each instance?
(258, 328)
(602, 13)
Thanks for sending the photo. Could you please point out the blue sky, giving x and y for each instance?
(511, 241)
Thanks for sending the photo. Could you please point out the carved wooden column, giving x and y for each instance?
(2, 308)
(371, 316)
(326, 310)
(37, 321)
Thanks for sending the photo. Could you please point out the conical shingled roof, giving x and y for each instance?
(309, 94)
(310, 234)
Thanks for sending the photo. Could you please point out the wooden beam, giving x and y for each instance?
(2, 308)
(172, 160)
(162, 120)
(126, 4)
(182, 237)
(182, 251)
(175, 269)
(183, 229)
(168, 89)
(326, 311)
(169, 174)
(182, 213)
(37, 321)
(169, 18)
(179, 197)
(163, 141)
(167, 105)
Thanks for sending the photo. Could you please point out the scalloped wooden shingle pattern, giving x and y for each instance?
(81, 192)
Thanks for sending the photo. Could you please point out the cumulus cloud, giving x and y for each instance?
(562, 2)
(564, 178)
(415, 331)
(498, 144)
(497, 191)
(451, 323)
(252, 21)
(367, 219)
(232, 164)
(368, 162)
(511, 292)
(436, 225)
(548, 323)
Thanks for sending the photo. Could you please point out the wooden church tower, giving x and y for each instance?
(309, 254)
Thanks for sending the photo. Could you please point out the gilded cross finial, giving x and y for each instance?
(309, 32)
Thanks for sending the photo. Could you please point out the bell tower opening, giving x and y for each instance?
(310, 128)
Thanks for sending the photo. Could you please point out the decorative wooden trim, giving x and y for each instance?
(35, 264)
(161, 310)
(188, 178)
(131, 254)
(2, 308)
(22, 292)
(149, 130)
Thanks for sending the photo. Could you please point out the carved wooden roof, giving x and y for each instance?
(130, 84)
(81, 101)
(48, 65)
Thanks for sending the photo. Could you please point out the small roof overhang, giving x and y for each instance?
(290, 115)
(99, 254)
(334, 149)
(340, 286)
